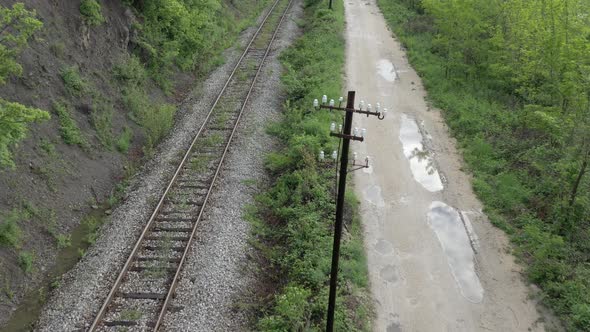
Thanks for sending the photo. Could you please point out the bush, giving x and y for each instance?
(91, 12)
(75, 85)
(68, 128)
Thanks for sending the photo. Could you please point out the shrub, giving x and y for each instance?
(75, 85)
(68, 128)
(91, 12)
(130, 72)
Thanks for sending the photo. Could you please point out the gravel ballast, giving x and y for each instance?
(211, 278)
(217, 276)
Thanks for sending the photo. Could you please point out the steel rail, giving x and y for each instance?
(147, 228)
(177, 275)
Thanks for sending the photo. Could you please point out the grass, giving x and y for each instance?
(10, 232)
(74, 83)
(69, 130)
(124, 141)
(293, 219)
(25, 261)
(130, 314)
(48, 147)
(102, 121)
(200, 163)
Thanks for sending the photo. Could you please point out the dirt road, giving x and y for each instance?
(435, 262)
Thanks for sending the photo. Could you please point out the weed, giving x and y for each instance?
(55, 283)
(68, 128)
(74, 83)
(130, 314)
(63, 241)
(199, 164)
(48, 147)
(92, 225)
(25, 261)
(10, 232)
(124, 140)
(91, 12)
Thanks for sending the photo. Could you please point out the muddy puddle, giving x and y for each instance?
(386, 70)
(446, 223)
(421, 162)
(28, 311)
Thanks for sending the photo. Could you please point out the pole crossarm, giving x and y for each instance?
(353, 110)
(352, 137)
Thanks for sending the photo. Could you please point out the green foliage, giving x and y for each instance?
(156, 120)
(74, 83)
(293, 219)
(124, 140)
(188, 34)
(17, 25)
(512, 78)
(10, 232)
(14, 121)
(91, 12)
(130, 72)
(68, 128)
(25, 261)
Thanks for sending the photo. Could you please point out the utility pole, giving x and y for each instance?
(339, 210)
(346, 137)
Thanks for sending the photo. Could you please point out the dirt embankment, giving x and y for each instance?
(55, 185)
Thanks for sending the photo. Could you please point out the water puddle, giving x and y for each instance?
(384, 247)
(29, 309)
(421, 163)
(386, 69)
(389, 273)
(373, 195)
(452, 235)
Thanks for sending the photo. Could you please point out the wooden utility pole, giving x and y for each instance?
(340, 209)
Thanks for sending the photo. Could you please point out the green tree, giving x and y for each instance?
(17, 25)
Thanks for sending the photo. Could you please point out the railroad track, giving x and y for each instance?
(143, 290)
